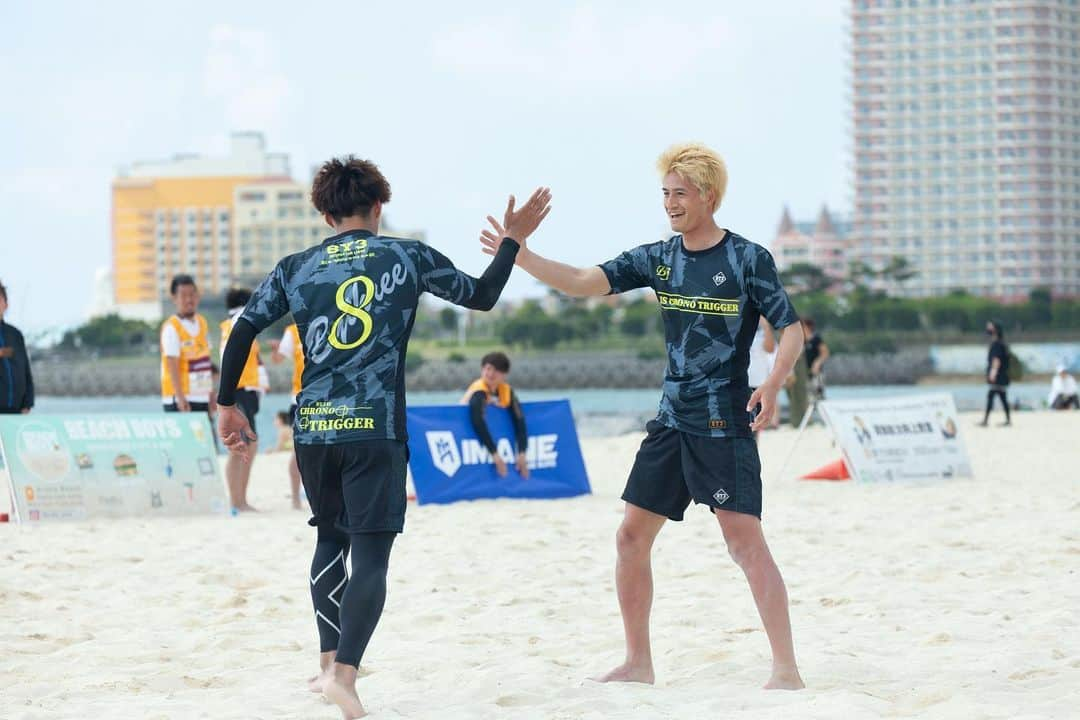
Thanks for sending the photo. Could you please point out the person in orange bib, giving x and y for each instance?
(290, 347)
(238, 472)
(491, 388)
(187, 383)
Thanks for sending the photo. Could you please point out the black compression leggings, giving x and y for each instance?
(990, 403)
(348, 609)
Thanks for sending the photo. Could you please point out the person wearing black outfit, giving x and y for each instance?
(354, 298)
(16, 382)
(997, 371)
(816, 353)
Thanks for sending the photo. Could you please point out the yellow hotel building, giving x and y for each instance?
(176, 216)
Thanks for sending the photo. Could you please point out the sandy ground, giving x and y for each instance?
(955, 600)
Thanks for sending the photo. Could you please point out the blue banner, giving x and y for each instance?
(449, 463)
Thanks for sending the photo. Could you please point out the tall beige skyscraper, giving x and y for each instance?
(966, 139)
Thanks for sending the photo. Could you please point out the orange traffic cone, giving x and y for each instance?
(836, 470)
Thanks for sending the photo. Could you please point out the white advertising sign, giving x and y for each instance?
(910, 438)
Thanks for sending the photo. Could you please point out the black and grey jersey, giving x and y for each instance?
(711, 301)
(354, 298)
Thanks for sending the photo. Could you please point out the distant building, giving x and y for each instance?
(223, 220)
(175, 216)
(966, 137)
(822, 242)
(275, 218)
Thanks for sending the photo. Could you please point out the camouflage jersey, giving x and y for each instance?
(354, 299)
(711, 301)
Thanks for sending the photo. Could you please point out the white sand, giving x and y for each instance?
(957, 600)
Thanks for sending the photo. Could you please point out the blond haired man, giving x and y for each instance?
(712, 287)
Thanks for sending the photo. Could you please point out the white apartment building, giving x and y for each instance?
(966, 140)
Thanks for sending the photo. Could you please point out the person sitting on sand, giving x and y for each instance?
(1063, 393)
(491, 388)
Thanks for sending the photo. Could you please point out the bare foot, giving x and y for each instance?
(627, 673)
(345, 698)
(246, 508)
(785, 679)
(317, 683)
(296, 504)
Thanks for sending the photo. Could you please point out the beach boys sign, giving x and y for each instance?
(910, 438)
(61, 467)
(449, 463)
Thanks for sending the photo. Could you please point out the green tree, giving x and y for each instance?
(638, 318)
(110, 332)
(448, 319)
(805, 278)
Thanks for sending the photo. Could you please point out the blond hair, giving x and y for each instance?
(698, 164)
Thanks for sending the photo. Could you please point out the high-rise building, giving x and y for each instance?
(822, 242)
(967, 143)
(175, 216)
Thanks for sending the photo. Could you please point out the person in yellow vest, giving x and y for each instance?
(491, 388)
(187, 383)
(290, 347)
(238, 472)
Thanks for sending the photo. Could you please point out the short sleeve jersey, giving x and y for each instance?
(998, 351)
(711, 301)
(354, 299)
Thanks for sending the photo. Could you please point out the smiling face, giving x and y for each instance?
(684, 204)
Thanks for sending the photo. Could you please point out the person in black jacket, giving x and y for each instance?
(16, 382)
(997, 371)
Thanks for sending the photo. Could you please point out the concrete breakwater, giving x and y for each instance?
(96, 378)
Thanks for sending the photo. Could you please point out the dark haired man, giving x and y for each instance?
(491, 388)
(354, 299)
(186, 369)
(238, 472)
(16, 382)
(997, 372)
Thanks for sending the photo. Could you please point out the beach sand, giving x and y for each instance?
(953, 600)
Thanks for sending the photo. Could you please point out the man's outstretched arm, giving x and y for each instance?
(573, 281)
(439, 276)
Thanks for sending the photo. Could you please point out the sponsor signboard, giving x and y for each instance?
(908, 438)
(448, 461)
(62, 467)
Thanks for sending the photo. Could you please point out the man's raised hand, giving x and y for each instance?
(517, 224)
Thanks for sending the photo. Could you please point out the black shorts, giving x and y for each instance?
(357, 487)
(673, 467)
(195, 407)
(248, 403)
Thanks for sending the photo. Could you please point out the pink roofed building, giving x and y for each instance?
(823, 243)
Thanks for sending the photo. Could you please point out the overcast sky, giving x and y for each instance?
(459, 103)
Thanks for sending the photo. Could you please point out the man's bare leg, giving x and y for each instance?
(633, 580)
(326, 671)
(340, 689)
(294, 481)
(746, 543)
(234, 468)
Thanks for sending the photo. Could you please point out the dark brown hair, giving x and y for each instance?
(346, 186)
(3, 291)
(497, 360)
